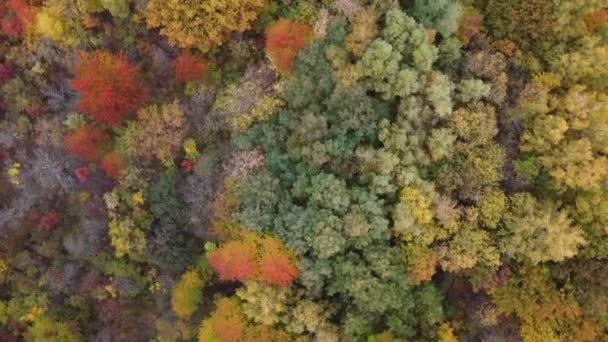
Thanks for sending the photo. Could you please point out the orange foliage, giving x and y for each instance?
(284, 39)
(235, 260)
(276, 268)
(226, 323)
(85, 143)
(469, 27)
(596, 20)
(112, 164)
(188, 69)
(264, 259)
(109, 86)
(17, 18)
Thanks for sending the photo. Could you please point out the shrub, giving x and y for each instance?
(109, 86)
(284, 39)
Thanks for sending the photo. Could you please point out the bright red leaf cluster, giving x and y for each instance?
(109, 86)
(16, 17)
(82, 173)
(265, 259)
(284, 39)
(85, 143)
(188, 69)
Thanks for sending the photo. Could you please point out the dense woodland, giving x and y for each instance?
(311, 170)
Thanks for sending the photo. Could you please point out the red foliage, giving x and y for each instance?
(85, 143)
(284, 39)
(112, 164)
(5, 72)
(278, 270)
(187, 165)
(234, 260)
(82, 173)
(188, 69)
(109, 86)
(48, 221)
(17, 17)
(36, 111)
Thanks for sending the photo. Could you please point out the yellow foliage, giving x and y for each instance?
(419, 205)
(187, 294)
(4, 269)
(14, 173)
(159, 132)
(201, 24)
(446, 333)
(262, 110)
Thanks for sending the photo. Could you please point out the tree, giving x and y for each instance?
(235, 260)
(201, 24)
(225, 324)
(188, 69)
(17, 18)
(85, 143)
(537, 231)
(113, 164)
(441, 15)
(158, 133)
(284, 40)
(254, 256)
(187, 294)
(109, 86)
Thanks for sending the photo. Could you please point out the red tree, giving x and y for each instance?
(112, 164)
(85, 143)
(284, 39)
(277, 269)
(17, 17)
(188, 69)
(109, 86)
(235, 260)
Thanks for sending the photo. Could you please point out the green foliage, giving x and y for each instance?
(440, 15)
(538, 231)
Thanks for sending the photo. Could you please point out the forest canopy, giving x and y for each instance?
(314, 170)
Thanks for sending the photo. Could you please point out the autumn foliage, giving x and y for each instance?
(16, 17)
(188, 69)
(109, 86)
(48, 221)
(85, 143)
(227, 323)
(112, 164)
(265, 259)
(284, 39)
(235, 260)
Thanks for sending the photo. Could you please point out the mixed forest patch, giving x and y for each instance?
(313, 170)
